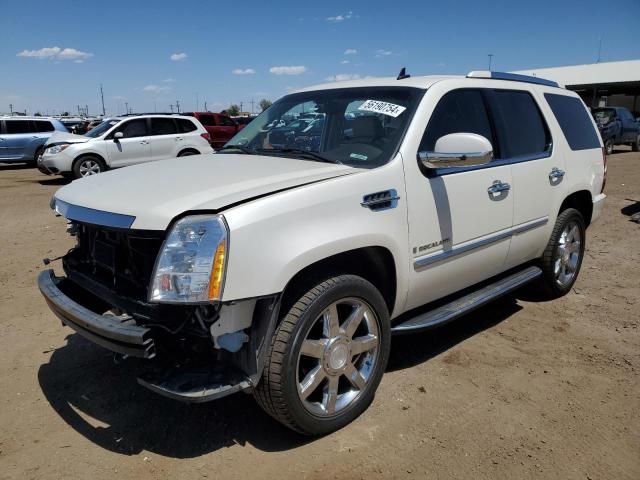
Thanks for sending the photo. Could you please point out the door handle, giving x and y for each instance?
(144, 142)
(178, 139)
(498, 187)
(556, 174)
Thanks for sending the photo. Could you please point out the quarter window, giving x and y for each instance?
(18, 126)
(574, 121)
(523, 130)
(185, 125)
(459, 111)
(225, 121)
(163, 126)
(207, 120)
(43, 126)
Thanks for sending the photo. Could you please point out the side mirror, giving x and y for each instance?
(117, 136)
(458, 150)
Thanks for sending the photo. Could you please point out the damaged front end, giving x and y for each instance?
(195, 350)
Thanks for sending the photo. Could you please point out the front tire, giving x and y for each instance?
(608, 146)
(87, 166)
(327, 357)
(562, 259)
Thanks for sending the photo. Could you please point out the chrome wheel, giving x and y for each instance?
(338, 357)
(568, 253)
(89, 167)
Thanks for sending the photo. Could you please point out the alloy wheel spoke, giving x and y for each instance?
(331, 323)
(330, 395)
(354, 376)
(352, 323)
(313, 348)
(363, 344)
(574, 247)
(573, 233)
(311, 381)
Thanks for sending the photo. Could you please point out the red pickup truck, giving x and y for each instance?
(220, 127)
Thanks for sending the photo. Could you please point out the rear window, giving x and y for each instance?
(18, 126)
(43, 126)
(574, 121)
(525, 131)
(186, 125)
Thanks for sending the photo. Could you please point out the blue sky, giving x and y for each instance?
(54, 55)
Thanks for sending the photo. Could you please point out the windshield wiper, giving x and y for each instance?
(300, 151)
(246, 150)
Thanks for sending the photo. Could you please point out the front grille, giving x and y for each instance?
(120, 260)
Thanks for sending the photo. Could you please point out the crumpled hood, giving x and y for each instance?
(157, 192)
(64, 137)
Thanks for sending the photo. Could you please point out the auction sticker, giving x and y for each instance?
(385, 108)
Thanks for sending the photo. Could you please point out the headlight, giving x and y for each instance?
(57, 148)
(192, 263)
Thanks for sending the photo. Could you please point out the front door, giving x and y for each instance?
(165, 140)
(15, 139)
(459, 223)
(133, 147)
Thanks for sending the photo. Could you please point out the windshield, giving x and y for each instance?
(604, 115)
(102, 128)
(360, 127)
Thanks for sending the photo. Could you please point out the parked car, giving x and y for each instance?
(221, 127)
(617, 127)
(285, 272)
(119, 142)
(22, 139)
(283, 136)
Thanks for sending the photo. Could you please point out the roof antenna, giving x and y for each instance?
(403, 74)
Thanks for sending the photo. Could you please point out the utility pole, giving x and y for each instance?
(205, 106)
(178, 105)
(11, 108)
(126, 108)
(599, 49)
(490, 60)
(102, 98)
(241, 106)
(171, 107)
(86, 110)
(252, 103)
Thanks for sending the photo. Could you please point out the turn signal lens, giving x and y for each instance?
(217, 272)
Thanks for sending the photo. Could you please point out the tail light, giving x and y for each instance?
(604, 176)
(206, 136)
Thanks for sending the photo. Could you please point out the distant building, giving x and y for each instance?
(599, 84)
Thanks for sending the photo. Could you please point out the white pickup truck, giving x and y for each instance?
(284, 270)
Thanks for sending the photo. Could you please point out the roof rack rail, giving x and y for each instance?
(514, 77)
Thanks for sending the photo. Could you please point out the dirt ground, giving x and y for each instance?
(520, 389)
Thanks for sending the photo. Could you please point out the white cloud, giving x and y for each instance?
(169, 80)
(350, 51)
(344, 62)
(340, 18)
(383, 53)
(243, 71)
(341, 77)
(288, 70)
(176, 57)
(57, 53)
(156, 89)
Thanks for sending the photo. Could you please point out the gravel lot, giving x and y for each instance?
(521, 389)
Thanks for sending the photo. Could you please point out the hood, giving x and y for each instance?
(157, 192)
(64, 137)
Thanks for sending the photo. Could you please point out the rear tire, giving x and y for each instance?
(635, 146)
(327, 357)
(38, 153)
(87, 166)
(562, 259)
(608, 146)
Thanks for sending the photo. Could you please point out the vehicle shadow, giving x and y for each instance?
(55, 181)
(15, 166)
(632, 209)
(101, 400)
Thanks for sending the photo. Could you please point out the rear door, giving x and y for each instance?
(537, 168)
(226, 129)
(208, 121)
(16, 138)
(165, 140)
(629, 126)
(133, 148)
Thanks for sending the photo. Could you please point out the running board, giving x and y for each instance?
(469, 302)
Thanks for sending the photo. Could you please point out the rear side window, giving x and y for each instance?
(163, 126)
(18, 126)
(207, 120)
(185, 125)
(43, 126)
(225, 121)
(522, 125)
(457, 112)
(574, 121)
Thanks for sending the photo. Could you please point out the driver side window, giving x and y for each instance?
(457, 111)
(134, 128)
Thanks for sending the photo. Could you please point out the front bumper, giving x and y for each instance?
(54, 164)
(113, 333)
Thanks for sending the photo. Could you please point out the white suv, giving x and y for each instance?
(285, 271)
(123, 141)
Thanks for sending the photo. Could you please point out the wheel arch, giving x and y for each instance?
(88, 154)
(582, 201)
(375, 264)
(190, 150)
